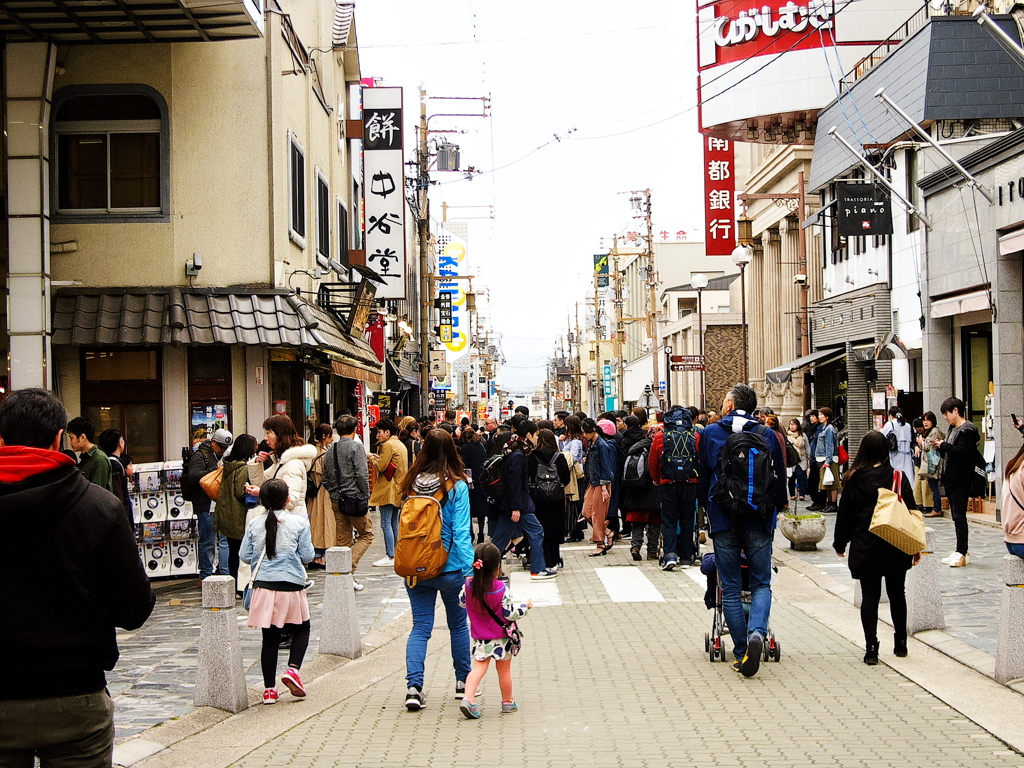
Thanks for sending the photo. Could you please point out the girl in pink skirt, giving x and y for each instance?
(277, 545)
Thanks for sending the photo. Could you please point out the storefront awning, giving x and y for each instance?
(956, 305)
(173, 317)
(784, 373)
(864, 352)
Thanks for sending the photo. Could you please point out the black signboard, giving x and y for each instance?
(382, 128)
(862, 209)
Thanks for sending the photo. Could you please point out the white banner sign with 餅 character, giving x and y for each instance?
(384, 182)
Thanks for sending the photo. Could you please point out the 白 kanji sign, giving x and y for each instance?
(719, 196)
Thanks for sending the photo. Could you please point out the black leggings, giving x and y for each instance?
(871, 593)
(234, 545)
(271, 641)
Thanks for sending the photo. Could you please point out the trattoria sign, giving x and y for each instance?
(862, 209)
(733, 30)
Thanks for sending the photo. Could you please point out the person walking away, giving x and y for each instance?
(92, 461)
(600, 471)
(111, 443)
(347, 480)
(674, 453)
(516, 507)
(606, 425)
(1012, 505)
(392, 467)
(572, 446)
(318, 499)
(290, 459)
(901, 443)
(549, 475)
(491, 610)
(931, 461)
(203, 461)
(277, 545)
(826, 457)
(473, 453)
(60, 623)
(872, 558)
(641, 497)
(233, 503)
(438, 472)
(798, 478)
(958, 450)
(734, 529)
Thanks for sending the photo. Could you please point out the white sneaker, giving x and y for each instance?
(950, 558)
(958, 562)
(357, 586)
(385, 562)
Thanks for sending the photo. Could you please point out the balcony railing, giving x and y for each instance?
(890, 44)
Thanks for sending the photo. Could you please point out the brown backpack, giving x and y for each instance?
(419, 551)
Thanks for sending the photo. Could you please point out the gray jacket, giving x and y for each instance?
(346, 473)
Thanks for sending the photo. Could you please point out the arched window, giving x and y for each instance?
(111, 157)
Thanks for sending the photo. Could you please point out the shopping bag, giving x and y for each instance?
(894, 523)
(827, 477)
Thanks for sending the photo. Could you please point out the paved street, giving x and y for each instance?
(603, 681)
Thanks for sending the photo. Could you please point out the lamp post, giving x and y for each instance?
(700, 282)
(741, 256)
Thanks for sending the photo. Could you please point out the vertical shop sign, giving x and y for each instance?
(601, 269)
(719, 196)
(384, 182)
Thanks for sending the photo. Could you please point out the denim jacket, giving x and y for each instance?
(601, 462)
(294, 547)
(827, 446)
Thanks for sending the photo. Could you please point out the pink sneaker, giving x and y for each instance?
(270, 696)
(293, 682)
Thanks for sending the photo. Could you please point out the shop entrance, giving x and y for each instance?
(976, 359)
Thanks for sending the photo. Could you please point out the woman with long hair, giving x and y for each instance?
(1012, 505)
(473, 453)
(318, 499)
(572, 447)
(230, 511)
(872, 558)
(931, 460)
(438, 471)
(409, 436)
(549, 474)
(290, 457)
(798, 477)
(826, 457)
(903, 439)
(600, 472)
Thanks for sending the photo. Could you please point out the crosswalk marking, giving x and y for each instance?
(543, 593)
(628, 585)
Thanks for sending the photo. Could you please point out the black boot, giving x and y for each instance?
(871, 654)
(900, 647)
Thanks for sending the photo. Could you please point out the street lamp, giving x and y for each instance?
(700, 282)
(741, 256)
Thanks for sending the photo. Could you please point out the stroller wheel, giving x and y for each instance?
(707, 642)
(777, 651)
(712, 653)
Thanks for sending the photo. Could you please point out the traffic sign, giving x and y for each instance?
(686, 367)
(689, 359)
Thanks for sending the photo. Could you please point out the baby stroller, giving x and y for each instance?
(713, 644)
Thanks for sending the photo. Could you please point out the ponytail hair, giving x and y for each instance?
(273, 497)
(486, 568)
(897, 414)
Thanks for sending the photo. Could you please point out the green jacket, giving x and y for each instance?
(96, 467)
(229, 514)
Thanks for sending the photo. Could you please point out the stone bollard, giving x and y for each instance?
(339, 633)
(220, 676)
(1010, 647)
(924, 597)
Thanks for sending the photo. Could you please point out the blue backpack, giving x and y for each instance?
(679, 457)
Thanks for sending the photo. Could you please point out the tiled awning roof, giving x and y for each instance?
(172, 317)
(343, 15)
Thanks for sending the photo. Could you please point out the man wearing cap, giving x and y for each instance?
(203, 461)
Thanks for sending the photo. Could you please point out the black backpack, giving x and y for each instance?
(792, 454)
(894, 444)
(313, 487)
(679, 456)
(494, 477)
(746, 476)
(187, 488)
(546, 486)
(637, 471)
(979, 478)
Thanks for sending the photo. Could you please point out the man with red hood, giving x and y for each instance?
(60, 622)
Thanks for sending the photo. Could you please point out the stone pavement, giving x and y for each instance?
(970, 596)
(609, 682)
(154, 679)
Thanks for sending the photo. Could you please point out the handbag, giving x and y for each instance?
(894, 523)
(390, 469)
(247, 592)
(843, 455)
(211, 481)
(828, 477)
(512, 631)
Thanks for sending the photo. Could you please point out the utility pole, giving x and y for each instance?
(652, 286)
(620, 328)
(423, 224)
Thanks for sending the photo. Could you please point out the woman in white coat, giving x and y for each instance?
(292, 457)
(903, 435)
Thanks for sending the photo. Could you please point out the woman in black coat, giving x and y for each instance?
(871, 557)
(473, 455)
(550, 506)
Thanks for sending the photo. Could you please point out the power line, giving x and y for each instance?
(476, 40)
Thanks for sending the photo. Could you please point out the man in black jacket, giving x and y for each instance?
(60, 636)
(959, 451)
(203, 461)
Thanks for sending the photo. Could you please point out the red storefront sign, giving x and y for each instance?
(719, 196)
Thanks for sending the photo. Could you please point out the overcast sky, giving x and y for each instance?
(614, 82)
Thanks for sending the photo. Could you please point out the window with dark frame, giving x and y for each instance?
(297, 169)
(323, 217)
(343, 233)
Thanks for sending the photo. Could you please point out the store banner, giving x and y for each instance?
(862, 209)
(601, 269)
(719, 196)
(384, 182)
(450, 265)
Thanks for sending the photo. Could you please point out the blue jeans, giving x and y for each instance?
(207, 544)
(933, 483)
(389, 522)
(533, 530)
(223, 555)
(678, 516)
(757, 545)
(423, 598)
(1014, 549)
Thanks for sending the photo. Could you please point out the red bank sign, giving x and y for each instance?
(734, 30)
(719, 196)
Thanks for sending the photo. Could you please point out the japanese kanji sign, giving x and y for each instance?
(444, 316)
(719, 197)
(384, 182)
